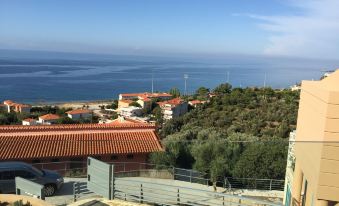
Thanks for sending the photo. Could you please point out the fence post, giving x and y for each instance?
(271, 184)
(141, 194)
(178, 197)
(74, 192)
(190, 176)
(223, 200)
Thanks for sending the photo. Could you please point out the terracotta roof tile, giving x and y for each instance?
(50, 117)
(69, 141)
(79, 111)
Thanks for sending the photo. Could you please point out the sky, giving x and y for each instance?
(294, 28)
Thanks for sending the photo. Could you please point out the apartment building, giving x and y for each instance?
(316, 170)
(12, 106)
(173, 108)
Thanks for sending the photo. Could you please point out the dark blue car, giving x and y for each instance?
(51, 180)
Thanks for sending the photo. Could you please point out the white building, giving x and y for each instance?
(130, 111)
(173, 108)
(48, 119)
(80, 114)
(29, 121)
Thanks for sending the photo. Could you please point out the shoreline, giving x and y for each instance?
(94, 104)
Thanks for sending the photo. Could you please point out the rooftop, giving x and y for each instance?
(50, 117)
(48, 141)
(79, 111)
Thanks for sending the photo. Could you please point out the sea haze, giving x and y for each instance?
(35, 77)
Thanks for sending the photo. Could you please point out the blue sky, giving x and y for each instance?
(299, 28)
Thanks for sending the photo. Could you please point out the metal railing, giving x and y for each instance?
(254, 184)
(164, 194)
(129, 169)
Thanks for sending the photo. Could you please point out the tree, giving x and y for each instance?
(135, 104)
(175, 92)
(114, 105)
(202, 92)
(262, 160)
(223, 89)
(66, 120)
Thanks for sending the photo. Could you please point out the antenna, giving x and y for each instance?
(185, 77)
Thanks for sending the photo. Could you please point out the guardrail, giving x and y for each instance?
(254, 184)
(125, 169)
(156, 193)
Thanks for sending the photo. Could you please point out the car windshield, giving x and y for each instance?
(38, 171)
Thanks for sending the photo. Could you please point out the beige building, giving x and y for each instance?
(316, 170)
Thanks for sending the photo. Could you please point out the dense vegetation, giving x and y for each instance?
(239, 132)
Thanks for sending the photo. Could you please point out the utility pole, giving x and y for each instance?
(185, 77)
(152, 82)
(228, 77)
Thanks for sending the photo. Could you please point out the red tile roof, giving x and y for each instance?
(126, 121)
(8, 102)
(175, 101)
(50, 117)
(79, 111)
(32, 142)
(196, 102)
(29, 120)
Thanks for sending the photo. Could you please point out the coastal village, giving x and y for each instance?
(137, 106)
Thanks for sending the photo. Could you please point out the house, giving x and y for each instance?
(173, 108)
(49, 119)
(124, 103)
(195, 103)
(29, 121)
(80, 114)
(316, 148)
(130, 111)
(132, 96)
(70, 145)
(145, 99)
(17, 107)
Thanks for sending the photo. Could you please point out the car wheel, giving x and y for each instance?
(49, 190)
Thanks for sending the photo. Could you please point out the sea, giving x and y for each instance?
(52, 77)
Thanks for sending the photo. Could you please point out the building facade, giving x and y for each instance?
(316, 171)
(48, 119)
(80, 114)
(173, 108)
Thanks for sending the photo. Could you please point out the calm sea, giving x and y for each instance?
(34, 77)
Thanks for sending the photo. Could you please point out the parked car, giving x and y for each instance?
(51, 180)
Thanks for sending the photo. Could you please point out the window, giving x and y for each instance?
(24, 174)
(7, 175)
(130, 156)
(114, 157)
